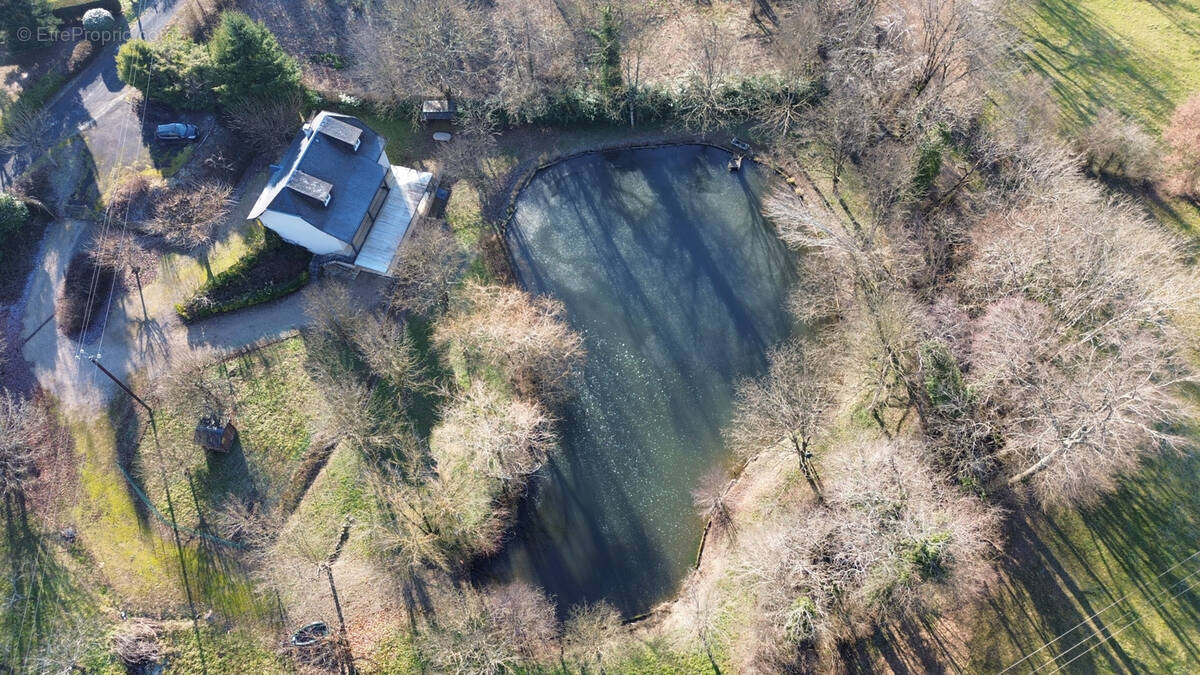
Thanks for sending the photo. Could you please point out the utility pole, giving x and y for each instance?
(122, 385)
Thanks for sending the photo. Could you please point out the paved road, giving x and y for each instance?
(93, 101)
(136, 336)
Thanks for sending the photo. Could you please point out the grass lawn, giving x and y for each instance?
(1136, 57)
(1125, 561)
(1140, 58)
(273, 400)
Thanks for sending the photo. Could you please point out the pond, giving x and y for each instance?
(678, 284)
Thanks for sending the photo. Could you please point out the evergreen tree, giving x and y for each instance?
(249, 62)
(21, 21)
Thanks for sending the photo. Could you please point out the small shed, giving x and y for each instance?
(440, 109)
(215, 435)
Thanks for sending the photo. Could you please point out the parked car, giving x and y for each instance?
(176, 131)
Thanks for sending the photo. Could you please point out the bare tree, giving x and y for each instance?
(428, 47)
(705, 105)
(708, 497)
(486, 633)
(593, 636)
(26, 130)
(536, 55)
(136, 644)
(507, 328)
(1079, 346)
(188, 217)
(194, 385)
(431, 263)
(465, 156)
(389, 352)
(1183, 138)
(504, 438)
(1115, 146)
(23, 430)
(791, 402)
(266, 125)
(890, 540)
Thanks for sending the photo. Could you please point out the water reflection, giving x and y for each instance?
(666, 266)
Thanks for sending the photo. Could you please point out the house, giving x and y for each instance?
(215, 435)
(335, 193)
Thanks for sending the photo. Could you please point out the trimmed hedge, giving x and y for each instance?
(272, 270)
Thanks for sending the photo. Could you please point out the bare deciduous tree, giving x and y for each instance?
(709, 499)
(23, 430)
(536, 55)
(1183, 137)
(593, 636)
(486, 633)
(1115, 146)
(428, 47)
(791, 402)
(431, 263)
(890, 539)
(266, 126)
(1079, 346)
(493, 435)
(188, 217)
(507, 328)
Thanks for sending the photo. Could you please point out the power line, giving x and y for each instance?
(1100, 628)
(129, 204)
(1136, 619)
(1096, 614)
(94, 285)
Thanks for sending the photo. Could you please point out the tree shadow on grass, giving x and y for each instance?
(1088, 66)
(45, 609)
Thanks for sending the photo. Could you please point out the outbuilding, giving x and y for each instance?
(215, 435)
(438, 110)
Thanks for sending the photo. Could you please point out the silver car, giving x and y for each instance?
(176, 131)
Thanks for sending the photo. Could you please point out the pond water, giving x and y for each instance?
(668, 269)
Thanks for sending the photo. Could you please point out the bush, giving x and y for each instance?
(80, 55)
(13, 214)
(98, 21)
(272, 269)
(1183, 138)
(174, 70)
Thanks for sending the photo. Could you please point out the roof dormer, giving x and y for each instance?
(311, 187)
(346, 134)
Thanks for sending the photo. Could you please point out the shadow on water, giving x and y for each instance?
(667, 267)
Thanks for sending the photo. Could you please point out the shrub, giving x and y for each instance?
(1115, 146)
(249, 62)
(13, 214)
(172, 70)
(80, 55)
(272, 269)
(98, 20)
(1183, 137)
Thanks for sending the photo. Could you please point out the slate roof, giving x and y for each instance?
(354, 175)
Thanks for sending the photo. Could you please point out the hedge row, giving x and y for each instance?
(272, 270)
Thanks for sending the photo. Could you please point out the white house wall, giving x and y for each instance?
(297, 231)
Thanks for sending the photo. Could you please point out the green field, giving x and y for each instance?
(1137, 57)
